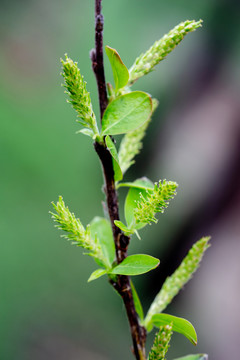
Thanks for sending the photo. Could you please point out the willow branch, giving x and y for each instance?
(97, 58)
(122, 285)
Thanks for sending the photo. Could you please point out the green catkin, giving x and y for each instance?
(76, 233)
(79, 96)
(160, 49)
(131, 144)
(174, 283)
(155, 201)
(161, 343)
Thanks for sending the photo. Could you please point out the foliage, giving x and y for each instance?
(107, 239)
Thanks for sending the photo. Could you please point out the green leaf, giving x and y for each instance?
(136, 265)
(113, 151)
(137, 302)
(179, 325)
(123, 227)
(120, 71)
(194, 357)
(97, 274)
(126, 113)
(102, 228)
(138, 187)
(142, 183)
(87, 132)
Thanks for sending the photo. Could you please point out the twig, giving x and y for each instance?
(97, 58)
(122, 285)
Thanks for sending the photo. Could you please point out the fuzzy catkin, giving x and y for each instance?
(174, 283)
(161, 343)
(131, 143)
(155, 201)
(76, 233)
(160, 49)
(79, 96)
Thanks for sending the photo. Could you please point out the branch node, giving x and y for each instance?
(99, 21)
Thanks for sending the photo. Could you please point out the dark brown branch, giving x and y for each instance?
(138, 332)
(97, 58)
(121, 241)
(121, 244)
(122, 285)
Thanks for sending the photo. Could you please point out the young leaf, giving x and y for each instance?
(123, 227)
(160, 49)
(140, 187)
(76, 232)
(111, 92)
(97, 274)
(161, 343)
(136, 265)
(120, 71)
(154, 201)
(87, 132)
(116, 167)
(137, 302)
(179, 325)
(177, 280)
(126, 113)
(194, 357)
(131, 143)
(142, 183)
(101, 228)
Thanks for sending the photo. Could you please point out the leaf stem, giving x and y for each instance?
(122, 284)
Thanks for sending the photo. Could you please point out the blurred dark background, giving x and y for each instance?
(47, 309)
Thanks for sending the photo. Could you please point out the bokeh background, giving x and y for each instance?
(47, 309)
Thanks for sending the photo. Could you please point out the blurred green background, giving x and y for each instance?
(47, 309)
